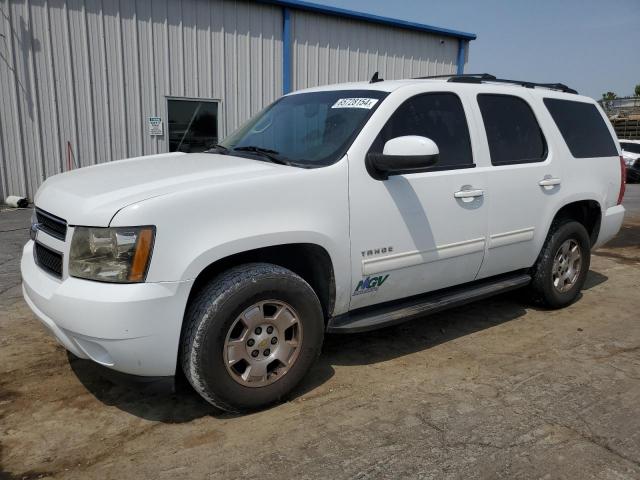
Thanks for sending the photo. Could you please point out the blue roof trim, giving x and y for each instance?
(461, 54)
(366, 17)
(287, 53)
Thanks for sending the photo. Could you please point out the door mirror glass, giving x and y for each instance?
(407, 154)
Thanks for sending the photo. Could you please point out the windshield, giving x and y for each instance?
(630, 147)
(306, 129)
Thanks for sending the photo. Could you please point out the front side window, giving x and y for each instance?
(582, 127)
(193, 125)
(437, 116)
(513, 132)
(306, 129)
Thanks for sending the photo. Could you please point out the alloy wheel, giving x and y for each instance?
(263, 343)
(567, 265)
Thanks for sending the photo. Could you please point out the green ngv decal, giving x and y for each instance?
(370, 284)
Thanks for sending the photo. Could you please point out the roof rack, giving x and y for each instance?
(486, 77)
(478, 76)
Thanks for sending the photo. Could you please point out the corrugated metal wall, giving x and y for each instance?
(91, 71)
(330, 49)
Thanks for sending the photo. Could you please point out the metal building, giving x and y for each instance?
(89, 81)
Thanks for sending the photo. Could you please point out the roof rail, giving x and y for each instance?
(475, 77)
(486, 77)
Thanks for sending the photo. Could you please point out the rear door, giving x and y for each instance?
(524, 180)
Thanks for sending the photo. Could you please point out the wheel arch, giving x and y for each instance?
(586, 211)
(310, 261)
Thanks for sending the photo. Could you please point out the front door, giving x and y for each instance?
(419, 232)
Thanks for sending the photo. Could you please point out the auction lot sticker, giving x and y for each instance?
(367, 103)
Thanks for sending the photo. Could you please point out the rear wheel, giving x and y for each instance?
(562, 267)
(250, 336)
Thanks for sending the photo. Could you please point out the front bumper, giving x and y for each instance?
(610, 224)
(131, 328)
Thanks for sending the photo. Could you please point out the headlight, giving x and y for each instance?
(628, 160)
(119, 255)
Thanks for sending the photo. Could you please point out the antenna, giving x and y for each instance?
(376, 79)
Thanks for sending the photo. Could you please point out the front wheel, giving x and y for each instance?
(562, 267)
(250, 336)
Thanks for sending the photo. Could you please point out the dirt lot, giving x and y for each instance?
(492, 390)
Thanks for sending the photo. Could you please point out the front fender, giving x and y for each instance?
(197, 227)
(240, 245)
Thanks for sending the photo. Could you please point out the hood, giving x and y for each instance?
(93, 195)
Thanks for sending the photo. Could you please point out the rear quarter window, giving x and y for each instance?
(582, 127)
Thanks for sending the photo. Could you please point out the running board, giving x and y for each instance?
(371, 318)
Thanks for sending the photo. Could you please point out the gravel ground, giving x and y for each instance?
(496, 389)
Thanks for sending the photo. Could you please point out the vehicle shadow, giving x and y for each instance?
(183, 404)
(165, 402)
(156, 401)
(422, 333)
(628, 236)
(593, 280)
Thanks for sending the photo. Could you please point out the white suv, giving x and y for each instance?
(336, 209)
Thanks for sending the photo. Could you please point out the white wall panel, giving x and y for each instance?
(90, 72)
(328, 49)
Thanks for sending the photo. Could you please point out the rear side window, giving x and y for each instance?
(582, 127)
(513, 132)
(438, 116)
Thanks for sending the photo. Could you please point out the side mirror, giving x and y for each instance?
(408, 154)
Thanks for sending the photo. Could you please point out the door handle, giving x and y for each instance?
(468, 193)
(549, 182)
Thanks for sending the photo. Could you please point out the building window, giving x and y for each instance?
(513, 132)
(193, 124)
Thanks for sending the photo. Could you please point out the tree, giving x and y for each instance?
(607, 101)
(637, 90)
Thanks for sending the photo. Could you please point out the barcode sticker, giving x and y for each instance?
(367, 103)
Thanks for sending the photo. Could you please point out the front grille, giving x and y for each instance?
(54, 226)
(48, 260)
(636, 164)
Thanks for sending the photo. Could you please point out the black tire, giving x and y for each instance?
(542, 289)
(213, 311)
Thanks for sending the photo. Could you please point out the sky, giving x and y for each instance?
(592, 46)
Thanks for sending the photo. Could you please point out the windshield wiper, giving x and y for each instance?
(272, 155)
(217, 149)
